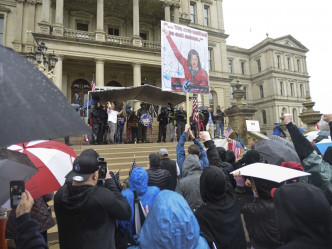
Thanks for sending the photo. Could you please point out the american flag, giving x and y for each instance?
(93, 84)
(228, 132)
(195, 116)
(134, 165)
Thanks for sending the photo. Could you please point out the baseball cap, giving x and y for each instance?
(163, 152)
(90, 152)
(83, 167)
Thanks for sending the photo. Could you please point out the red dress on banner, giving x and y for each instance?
(201, 77)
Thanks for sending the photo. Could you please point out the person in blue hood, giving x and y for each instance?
(277, 130)
(170, 224)
(138, 180)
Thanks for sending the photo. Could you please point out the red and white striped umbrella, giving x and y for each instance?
(53, 159)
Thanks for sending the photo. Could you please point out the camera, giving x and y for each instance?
(16, 190)
(102, 168)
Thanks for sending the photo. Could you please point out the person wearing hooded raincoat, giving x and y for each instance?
(138, 180)
(170, 224)
(303, 224)
(319, 167)
(219, 217)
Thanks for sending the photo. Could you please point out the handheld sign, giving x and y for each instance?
(253, 125)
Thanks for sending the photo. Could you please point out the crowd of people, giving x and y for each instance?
(193, 203)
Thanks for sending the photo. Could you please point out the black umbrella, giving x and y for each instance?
(276, 152)
(14, 166)
(31, 106)
(139, 214)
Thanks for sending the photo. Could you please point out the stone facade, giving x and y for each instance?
(118, 41)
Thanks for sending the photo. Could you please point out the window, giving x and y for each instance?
(2, 22)
(261, 90)
(301, 90)
(259, 66)
(245, 92)
(232, 92)
(144, 36)
(264, 117)
(281, 88)
(206, 15)
(82, 25)
(279, 61)
(114, 31)
(210, 59)
(211, 101)
(298, 65)
(230, 66)
(242, 67)
(289, 63)
(192, 13)
(292, 89)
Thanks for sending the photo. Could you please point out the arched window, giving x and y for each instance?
(264, 117)
(79, 90)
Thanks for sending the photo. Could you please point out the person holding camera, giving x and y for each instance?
(86, 213)
(112, 120)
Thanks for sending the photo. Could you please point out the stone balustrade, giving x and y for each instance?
(151, 44)
(78, 34)
(121, 40)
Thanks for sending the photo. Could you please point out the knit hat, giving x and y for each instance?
(154, 160)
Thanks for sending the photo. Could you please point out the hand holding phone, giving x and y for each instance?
(17, 188)
(25, 204)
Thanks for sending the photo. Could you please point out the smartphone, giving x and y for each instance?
(102, 170)
(16, 190)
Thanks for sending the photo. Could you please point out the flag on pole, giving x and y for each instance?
(93, 84)
(117, 176)
(228, 132)
(134, 165)
(195, 116)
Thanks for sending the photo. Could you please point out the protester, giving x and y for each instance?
(227, 167)
(193, 126)
(181, 119)
(27, 234)
(40, 211)
(171, 166)
(112, 120)
(104, 118)
(219, 217)
(192, 149)
(120, 126)
(157, 176)
(141, 128)
(171, 125)
(188, 185)
(138, 180)
(163, 121)
(277, 130)
(303, 216)
(220, 120)
(133, 124)
(86, 213)
(96, 123)
(319, 167)
(170, 224)
(293, 165)
(210, 123)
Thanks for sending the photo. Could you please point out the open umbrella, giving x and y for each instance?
(14, 166)
(275, 152)
(31, 106)
(53, 159)
(317, 134)
(323, 145)
(139, 214)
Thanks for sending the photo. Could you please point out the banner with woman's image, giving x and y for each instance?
(185, 59)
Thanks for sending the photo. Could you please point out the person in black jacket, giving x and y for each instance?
(86, 213)
(219, 217)
(97, 123)
(158, 177)
(27, 234)
(170, 165)
(163, 121)
(181, 120)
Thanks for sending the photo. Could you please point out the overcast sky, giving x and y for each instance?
(310, 22)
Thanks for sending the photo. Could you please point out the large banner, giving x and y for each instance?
(185, 59)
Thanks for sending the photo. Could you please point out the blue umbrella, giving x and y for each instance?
(90, 102)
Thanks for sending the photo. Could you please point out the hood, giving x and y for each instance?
(222, 153)
(303, 213)
(212, 184)
(230, 156)
(252, 156)
(139, 180)
(190, 165)
(74, 198)
(171, 224)
(328, 155)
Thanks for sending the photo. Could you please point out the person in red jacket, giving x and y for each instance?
(196, 78)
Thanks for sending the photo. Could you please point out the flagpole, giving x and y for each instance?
(187, 107)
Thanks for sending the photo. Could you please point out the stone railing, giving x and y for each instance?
(121, 40)
(151, 44)
(78, 34)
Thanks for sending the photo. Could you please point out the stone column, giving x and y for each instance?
(58, 72)
(100, 33)
(185, 9)
(100, 63)
(220, 16)
(28, 26)
(137, 40)
(58, 26)
(167, 11)
(176, 12)
(44, 25)
(137, 80)
(19, 26)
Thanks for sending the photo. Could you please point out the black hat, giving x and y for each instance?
(89, 152)
(154, 160)
(83, 167)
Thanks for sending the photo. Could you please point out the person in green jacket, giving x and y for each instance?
(319, 166)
